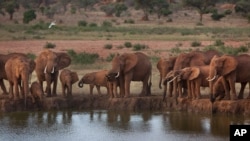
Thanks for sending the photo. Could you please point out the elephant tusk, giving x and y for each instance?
(45, 70)
(117, 75)
(215, 76)
(172, 79)
(53, 70)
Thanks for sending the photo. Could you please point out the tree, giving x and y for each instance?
(146, 6)
(29, 16)
(243, 7)
(160, 7)
(85, 4)
(10, 7)
(202, 6)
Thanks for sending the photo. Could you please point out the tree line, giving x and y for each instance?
(116, 7)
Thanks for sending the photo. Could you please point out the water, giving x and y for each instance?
(115, 126)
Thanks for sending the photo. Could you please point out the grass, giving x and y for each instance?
(152, 32)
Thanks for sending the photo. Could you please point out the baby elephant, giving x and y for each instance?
(68, 78)
(36, 91)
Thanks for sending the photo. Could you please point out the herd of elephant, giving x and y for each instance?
(17, 68)
(184, 73)
(187, 72)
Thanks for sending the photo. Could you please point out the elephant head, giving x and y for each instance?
(122, 64)
(86, 79)
(55, 61)
(190, 73)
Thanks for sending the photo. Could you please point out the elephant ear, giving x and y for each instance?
(74, 77)
(130, 60)
(229, 64)
(64, 60)
(195, 72)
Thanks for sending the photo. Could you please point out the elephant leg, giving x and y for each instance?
(197, 89)
(16, 91)
(165, 91)
(55, 84)
(3, 87)
(249, 91)
(11, 95)
(98, 89)
(242, 88)
(190, 89)
(63, 90)
(91, 87)
(122, 86)
(115, 90)
(128, 79)
(179, 90)
(170, 89)
(232, 88)
(227, 91)
(69, 89)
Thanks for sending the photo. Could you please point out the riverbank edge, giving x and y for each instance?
(134, 103)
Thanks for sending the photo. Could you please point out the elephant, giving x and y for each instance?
(194, 58)
(196, 77)
(164, 66)
(97, 79)
(36, 91)
(3, 59)
(232, 69)
(113, 83)
(18, 70)
(47, 69)
(129, 67)
(68, 78)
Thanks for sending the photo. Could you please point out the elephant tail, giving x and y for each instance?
(149, 84)
(80, 84)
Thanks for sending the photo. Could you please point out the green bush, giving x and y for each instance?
(108, 46)
(196, 44)
(83, 58)
(128, 44)
(129, 21)
(92, 25)
(176, 50)
(137, 47)
(106, 24)
(29, 16)
(217, 16)
(110, 57)
(31, 56)
(82, 23)
(219, 43)
(49, 45)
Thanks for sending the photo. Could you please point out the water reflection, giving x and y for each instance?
(115, 125)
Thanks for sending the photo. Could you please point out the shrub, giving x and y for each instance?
(195, 44)
(108, 46)
(137, 47)
(106, 24)
(129, 21)
(92, 25)
(128, 44)
(82, 23)
(29, 16)
(175, 50)
(217, 16)
(49, 45)
(218, 43)
(31, 56)
(110, 57)
(83, 58)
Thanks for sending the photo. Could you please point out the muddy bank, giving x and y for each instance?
(153, 103)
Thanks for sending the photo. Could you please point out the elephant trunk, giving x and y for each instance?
(211, 78)
(80, 83)
(25, 82)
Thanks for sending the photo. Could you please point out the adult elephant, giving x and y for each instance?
(195, 58)
(232, 69)
(164, 66)
(3, 59)
(97, 78)
(129, 67)
(18, 70)
(47, 69)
